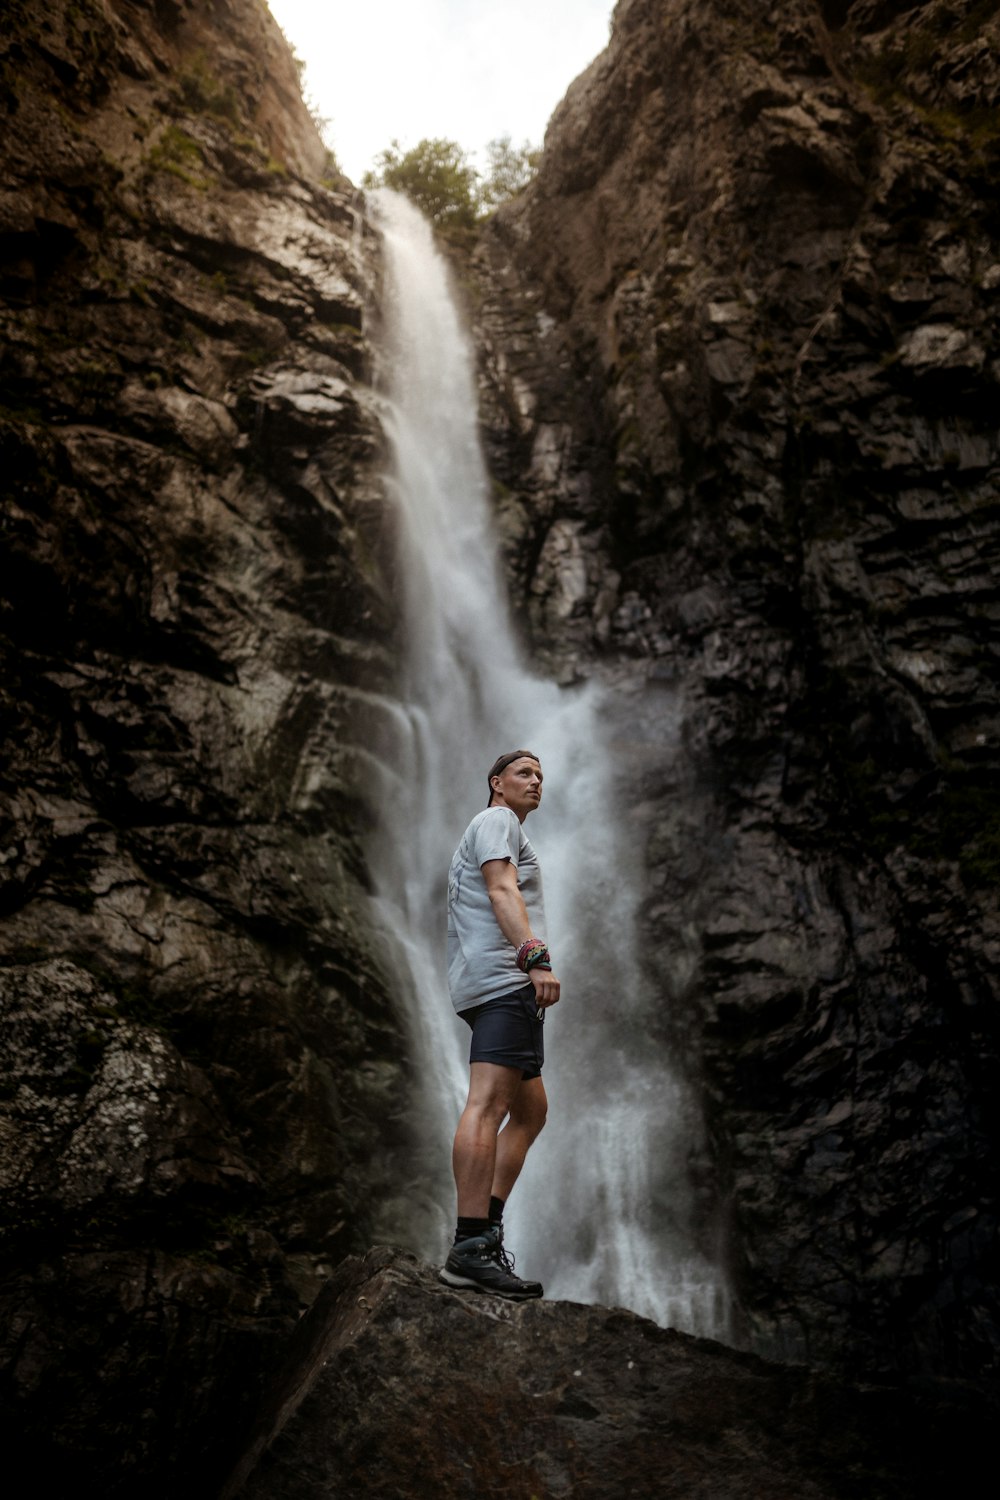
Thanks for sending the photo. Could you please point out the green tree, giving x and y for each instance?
(509, 169)
(436, 175)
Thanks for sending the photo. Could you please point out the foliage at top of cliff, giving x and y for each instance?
(443, 182)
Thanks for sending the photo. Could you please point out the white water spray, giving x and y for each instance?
(601, 1211)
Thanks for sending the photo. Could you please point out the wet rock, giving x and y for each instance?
(100, 1109)
(765, 262)
(554, 1399)
(202, 1063)
(940, 347)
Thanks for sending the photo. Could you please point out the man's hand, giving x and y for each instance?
(546, 986)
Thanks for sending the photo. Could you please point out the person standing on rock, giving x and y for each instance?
(501, 982)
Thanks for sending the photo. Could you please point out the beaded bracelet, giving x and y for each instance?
(525, 948)
(533, 954)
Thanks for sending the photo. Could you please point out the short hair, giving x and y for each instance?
(502, 762)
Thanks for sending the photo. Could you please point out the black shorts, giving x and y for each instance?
(509, 1032)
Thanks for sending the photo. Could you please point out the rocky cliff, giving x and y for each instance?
(201, 1064)
(738, 363)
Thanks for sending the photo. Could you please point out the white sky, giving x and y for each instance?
(468, 70)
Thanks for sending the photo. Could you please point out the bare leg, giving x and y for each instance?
(493, 1092)
(527, 1116)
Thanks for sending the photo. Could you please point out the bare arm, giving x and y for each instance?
(512, 919)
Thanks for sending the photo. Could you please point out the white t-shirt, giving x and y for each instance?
(481, 961)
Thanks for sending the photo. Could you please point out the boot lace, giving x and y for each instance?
(504, 1259)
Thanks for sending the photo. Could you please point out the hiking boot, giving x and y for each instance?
(482, 1264)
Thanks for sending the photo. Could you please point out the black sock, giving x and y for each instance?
(469, 1228)
(496, 1210)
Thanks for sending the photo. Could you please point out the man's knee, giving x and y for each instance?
(489, 1108)
(530, 1111)
(492, 1112)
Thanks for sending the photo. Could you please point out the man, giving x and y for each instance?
(501, 983)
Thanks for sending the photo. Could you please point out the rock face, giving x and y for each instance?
(558, 1399)
(201, 1064)
(737, 356)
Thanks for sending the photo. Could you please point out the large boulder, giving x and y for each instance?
(394, 1385)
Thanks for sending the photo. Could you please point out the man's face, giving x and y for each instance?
(519, 786)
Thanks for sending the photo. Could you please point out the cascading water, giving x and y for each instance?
(601, 1211)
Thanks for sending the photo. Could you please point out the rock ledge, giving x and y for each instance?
(395, 1385)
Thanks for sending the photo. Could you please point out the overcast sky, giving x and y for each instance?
(468, 70)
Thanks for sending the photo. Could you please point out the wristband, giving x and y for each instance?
(532, 954)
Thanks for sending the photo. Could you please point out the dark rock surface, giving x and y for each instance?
(201, 1065)
(739, 389)
(395, 1385)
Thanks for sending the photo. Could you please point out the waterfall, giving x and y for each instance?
(601, 1213)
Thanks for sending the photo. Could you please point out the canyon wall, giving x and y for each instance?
(739, 377)
(204, 1073)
